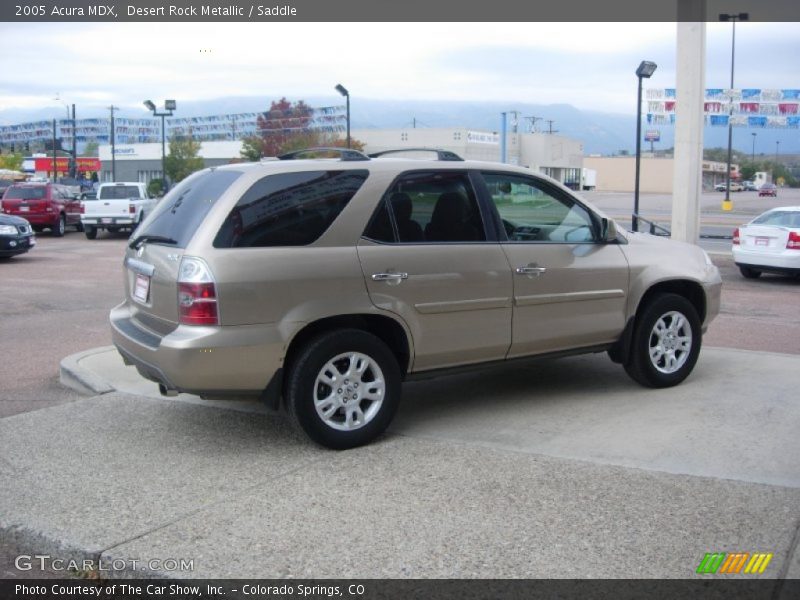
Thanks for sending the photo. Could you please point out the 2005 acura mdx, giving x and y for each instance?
(324, 283)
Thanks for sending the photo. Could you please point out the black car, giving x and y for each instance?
(16, 236)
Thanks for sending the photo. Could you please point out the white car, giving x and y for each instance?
(769, 243)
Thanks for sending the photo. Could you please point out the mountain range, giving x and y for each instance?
(601, 132)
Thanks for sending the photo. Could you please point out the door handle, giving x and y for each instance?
(393, 277)
(530, 270)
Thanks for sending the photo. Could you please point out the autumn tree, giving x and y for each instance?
(287, 127)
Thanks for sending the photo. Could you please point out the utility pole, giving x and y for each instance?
(550, 129)
(73, 163)
(532, 121)
(113, 152)
(55, 156)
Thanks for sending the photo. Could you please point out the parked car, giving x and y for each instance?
(735, 187)
(325, 283)
(16, 236)
(768, 189)
(749, 186)
(769, 243)
(117, 206)
(44, 206)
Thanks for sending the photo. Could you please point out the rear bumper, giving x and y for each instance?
(107, 221)
(38, 219)
(785, 261)
(713, 292)
(207, 361)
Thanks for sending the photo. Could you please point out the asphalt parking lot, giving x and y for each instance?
(561, 469)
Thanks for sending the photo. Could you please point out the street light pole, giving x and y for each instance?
(726, 203)
(343, 91)
(775, 169)
(645, 70)
(169, 106)
(753, 157)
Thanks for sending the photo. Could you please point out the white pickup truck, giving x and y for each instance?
(120, 205)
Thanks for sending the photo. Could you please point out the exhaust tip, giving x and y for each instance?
(166, 391)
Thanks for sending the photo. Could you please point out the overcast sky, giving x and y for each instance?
(588, 65)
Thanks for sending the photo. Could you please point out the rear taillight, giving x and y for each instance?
(197, 293)
(83, 209)
(793, 243)
(132, 209)
(736, 237)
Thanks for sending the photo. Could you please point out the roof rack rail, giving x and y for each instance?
(344, 153)
(440, 154)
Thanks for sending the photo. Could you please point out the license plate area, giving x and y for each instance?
(762, 241)
(106, 220)
(141, 288)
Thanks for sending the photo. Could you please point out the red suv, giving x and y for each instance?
(44, 205)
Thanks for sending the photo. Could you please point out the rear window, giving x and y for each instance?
(180, 212)
(290, 209)
(25, 193)
(118, 192)
(780, 218)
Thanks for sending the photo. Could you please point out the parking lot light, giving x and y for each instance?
(645, 70)
(343, 91)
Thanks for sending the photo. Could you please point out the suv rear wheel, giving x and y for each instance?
(60, 227)
(343, 388)
(666, 342)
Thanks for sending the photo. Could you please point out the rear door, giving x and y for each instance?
(427, 257)
(570, 290)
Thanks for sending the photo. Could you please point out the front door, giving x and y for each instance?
(570, 288)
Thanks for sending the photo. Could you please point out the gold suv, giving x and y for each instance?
(320, 285)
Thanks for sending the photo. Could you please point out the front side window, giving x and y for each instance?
(289, 209)
(532, 212)
(428, 207)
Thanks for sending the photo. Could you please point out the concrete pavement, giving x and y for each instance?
(557, 469)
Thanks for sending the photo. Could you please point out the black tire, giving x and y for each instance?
(749, 273)
(90, 231)
(79, 227)
(302, 387)
(652, 372)
(60, 227)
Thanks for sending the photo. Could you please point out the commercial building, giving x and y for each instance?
(142, 162)
(617, 173)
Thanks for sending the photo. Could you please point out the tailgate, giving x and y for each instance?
(106, 208)
(151, 288)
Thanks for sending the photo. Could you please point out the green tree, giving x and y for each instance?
(12, 161)
(91, 149)
(183, 159)
(252, 148)
(156, 187)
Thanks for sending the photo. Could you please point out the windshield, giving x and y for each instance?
(180, 212)
(25, 193)
(118, 192)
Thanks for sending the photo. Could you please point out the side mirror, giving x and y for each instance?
(608, 230)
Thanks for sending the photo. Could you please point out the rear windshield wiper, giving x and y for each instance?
(151, 238)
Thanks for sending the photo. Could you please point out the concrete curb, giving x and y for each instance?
(72, 375)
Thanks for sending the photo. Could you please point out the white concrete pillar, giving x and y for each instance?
(690, 91)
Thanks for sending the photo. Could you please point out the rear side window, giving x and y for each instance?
(25, 193)
(780, 218)
(118, 192)
(290, 209)
(178, 215)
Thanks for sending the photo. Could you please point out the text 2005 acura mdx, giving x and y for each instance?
(324, 283)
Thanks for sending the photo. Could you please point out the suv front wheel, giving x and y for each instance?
(666, 342)
(343, 388)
